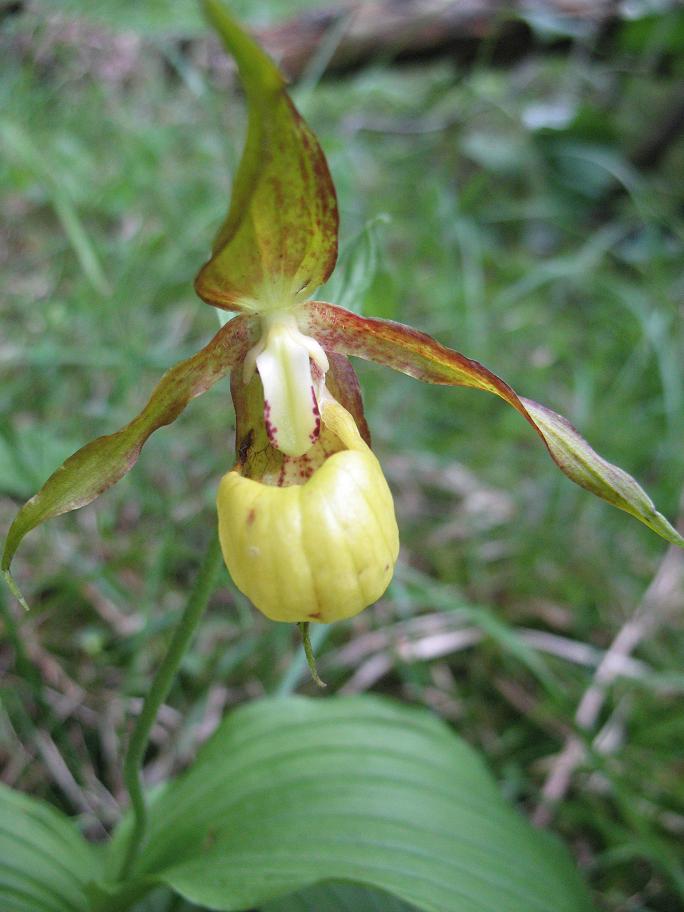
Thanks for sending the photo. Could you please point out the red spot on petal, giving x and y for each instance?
(251, 516)
(313, 436)
(271, 429)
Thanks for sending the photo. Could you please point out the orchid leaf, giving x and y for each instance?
(338, 896)
(420, 356)
(102, 462)
(45, 864)
(278, 242)
(293, 792)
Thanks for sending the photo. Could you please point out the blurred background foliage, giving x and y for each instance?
(509, 210)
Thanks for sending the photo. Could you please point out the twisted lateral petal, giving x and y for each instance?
(102, 462)
(583, 465)
(420, 356)
(279, 239)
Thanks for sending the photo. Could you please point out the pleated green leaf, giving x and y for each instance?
(44, 862)
(293, 792)
(338, 897)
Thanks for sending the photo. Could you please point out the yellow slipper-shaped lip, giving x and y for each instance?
(319, 551)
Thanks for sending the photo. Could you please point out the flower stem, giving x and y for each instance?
(308, 652)
(159, 690)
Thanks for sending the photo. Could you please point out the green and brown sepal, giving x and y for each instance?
(278, 242)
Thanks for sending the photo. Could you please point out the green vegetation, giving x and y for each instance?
(494, 208)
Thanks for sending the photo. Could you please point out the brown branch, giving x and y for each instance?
(400, 30)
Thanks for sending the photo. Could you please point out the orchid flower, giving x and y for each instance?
(306, 520)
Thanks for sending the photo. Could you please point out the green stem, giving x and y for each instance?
(308, 652)
(290, 680)
(158, 692)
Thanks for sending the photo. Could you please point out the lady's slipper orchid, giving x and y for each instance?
(306, 519)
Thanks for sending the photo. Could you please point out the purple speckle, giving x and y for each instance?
(313, 436)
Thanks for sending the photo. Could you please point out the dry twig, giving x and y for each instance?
(663, 596)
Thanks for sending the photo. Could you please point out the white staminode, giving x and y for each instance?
(283, 358)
